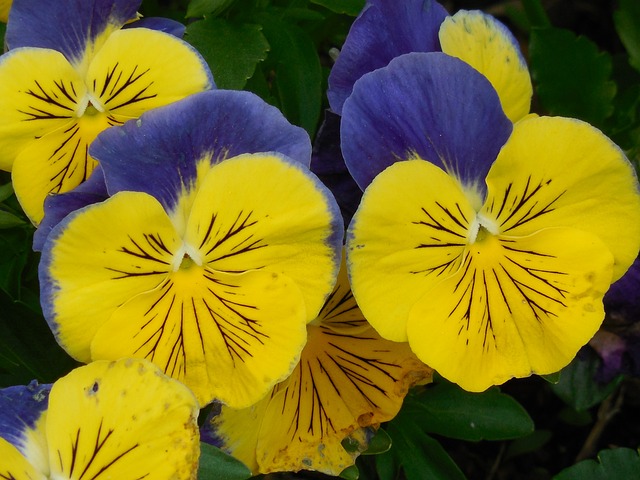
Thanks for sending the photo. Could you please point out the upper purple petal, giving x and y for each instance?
(383, 30)
(429, 104)
(56, 207)
(65, 25)
(166, 25)
(159, 152)
(20, 408)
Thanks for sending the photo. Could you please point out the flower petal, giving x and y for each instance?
(15, 466)
(517, 306)
(160, 70)
(31, 108)
(69, 27)
(122, 419)
(56, 207)
(383, 30)
(55, 163)
(348, 379)
(409, 233)
(160, 153)
(229, 337)
(266, 212)
(429, 105)
(166, 25)
(99, 257)
(488, 46)
(22, 416)
(565, 173)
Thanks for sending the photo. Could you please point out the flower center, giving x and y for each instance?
(89, 106)
(186, 258)
(481, 229)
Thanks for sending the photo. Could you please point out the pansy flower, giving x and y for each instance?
(5, 6)
(71, 72)
(348, 380)
(122, 419)
(208, 257)
(487, 245)
(386, 29)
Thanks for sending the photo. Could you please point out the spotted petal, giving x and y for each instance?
(161, 69)
(348, 379)
(488, 46)
(384, 30)
(229, 337)
(408, 234)
(429, 105)
(517, 306)
(99, 257)
(565, 173)
(122, 419)
(76, 28)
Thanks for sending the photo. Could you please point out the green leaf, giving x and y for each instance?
(6, 191)
(15, 247)
(199, 8)
(9, 220)
(350, 473)
(217, 465)
(295, 70)
(572, 76)
(616, 463)
(415, 453)
(577, 386)
(448, 410)
(552, 377)
(627, 21)
(349, 7)
(380, 443)
(232, 50)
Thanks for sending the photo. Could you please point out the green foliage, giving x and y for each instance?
(215, 464)
(232, 50)
(616, 463)
(350, 7)
(573, 77)
(627, 22)
(199, 8)
(577, 387)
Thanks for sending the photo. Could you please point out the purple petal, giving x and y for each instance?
(384, 30)
(67, 26)
(328, 164)
(56, 207)
(20, 408)
(623, 300)
(426, 103)
(166, 25)
(158, 153)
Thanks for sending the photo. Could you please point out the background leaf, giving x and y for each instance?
(571, 75)
(199, 8)
(617, 463)
(448, 410)
(349, 7)
(231, 49)
(217, 465)
(627, 22)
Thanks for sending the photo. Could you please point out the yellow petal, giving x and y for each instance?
(262, 212)
(229, 337)
(517, 306)
(160, 69)
(409, 233)
(14, 466)
(560, 172)
(481, 41)
(348, 379)
(39, 93)
(56, 163)
(107, 254)
(122, 419)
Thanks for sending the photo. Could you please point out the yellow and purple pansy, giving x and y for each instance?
(348, 381)
(488, 245)
(122, 419)
(214, 248)
(62, 82)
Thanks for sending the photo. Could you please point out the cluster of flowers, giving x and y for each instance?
(190, 254)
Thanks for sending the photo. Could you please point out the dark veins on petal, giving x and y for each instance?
(151, 248)
(119, 89)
